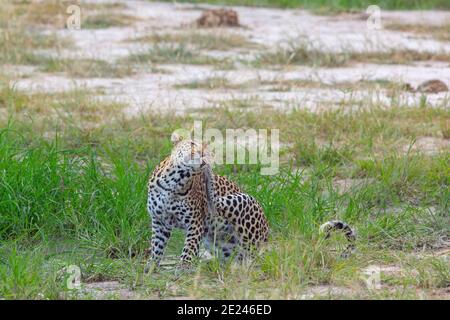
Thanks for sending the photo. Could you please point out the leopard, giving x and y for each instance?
(184, 193)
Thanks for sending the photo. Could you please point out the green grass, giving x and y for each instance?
(199, 40)
(335, 5)
(176, 54)
(376, 84)
(282, 85)
(76, 108)
(211, 83)
(107, 20)
(53, 13)
(439, 32)
(85, 68)
(303, 52)
(17, 45)
(75, 194)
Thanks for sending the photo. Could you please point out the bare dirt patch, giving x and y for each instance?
(130, 73)
(428, 145)
(325, 291)
(108, 290)
(441, 294)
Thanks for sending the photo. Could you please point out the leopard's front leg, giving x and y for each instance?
(194, 235)
(160, 236)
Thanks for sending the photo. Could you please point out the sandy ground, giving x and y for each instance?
(147, 91)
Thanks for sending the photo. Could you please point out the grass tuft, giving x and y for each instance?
(305, 53)
(439, 32)
(199, 40)
(176, 54)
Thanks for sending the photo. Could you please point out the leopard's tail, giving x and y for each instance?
(209, 186)
(336, 225)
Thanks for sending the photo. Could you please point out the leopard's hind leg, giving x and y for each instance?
(246, 217)
(220, 239)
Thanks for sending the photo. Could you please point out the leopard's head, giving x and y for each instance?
(190, 154)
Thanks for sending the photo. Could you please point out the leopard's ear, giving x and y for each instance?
(177, 136)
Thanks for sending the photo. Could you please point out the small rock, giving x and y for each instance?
(432, 86)
(218, 18)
